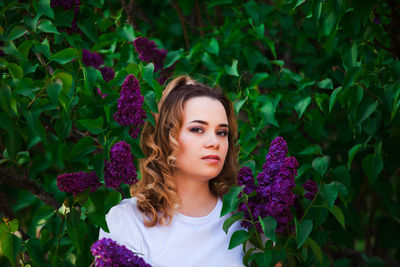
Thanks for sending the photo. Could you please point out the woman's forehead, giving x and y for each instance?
(205, 109)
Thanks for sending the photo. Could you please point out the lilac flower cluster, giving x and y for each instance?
(108, 253)
(130, 103)
(149, 52)
(92, 59)
(311, 189)
(107, 73)
(274, 188)
(78, 182)
(120, 168)
(245, 177)
(66, 4)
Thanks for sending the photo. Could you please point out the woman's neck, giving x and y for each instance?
(195, 195)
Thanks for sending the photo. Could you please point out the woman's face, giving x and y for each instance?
(203, 139)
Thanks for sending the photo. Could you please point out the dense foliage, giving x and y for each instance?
(324, 75)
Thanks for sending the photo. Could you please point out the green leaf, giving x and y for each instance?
(219, 3)
(332, 99)
(311, 150)
(43, 7)
(303, 230)
(326, 84)
(90, 75)
(32, 21)
(338, 213)
(172, 57)
(352, 153)
(268, 112)
(83, 147)
(237, 238)
(44, 48)
(238, 105)
(257, 79)
(133, 68)
(252, 9)
(151, 101)
(89, 29)
(350, 77)
(95, 126)
(35, 251)
(260, 30)
(372, 165)
(66, 79)
(16, 32)
(330, 193)
(98, 164)
(14, 224)
(316, 249)
(212, 46)
(316, 10)
(232, 70)
(365, 110)
(98, 218)
(10, 245)
(127, 32)
(148, 74)
(230, 200)
(47, 26)
(63, 18)
(321, 164)
(268, 224)
(297, 3)
(209, 62)
(65, 56)
(302, 105)
(53, 90)
(24, 48)
(15, 70)
(329, 23)
(231, 220)
(271, 46)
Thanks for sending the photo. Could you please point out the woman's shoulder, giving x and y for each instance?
(126, 208)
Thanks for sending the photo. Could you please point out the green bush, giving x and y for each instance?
(325, 75)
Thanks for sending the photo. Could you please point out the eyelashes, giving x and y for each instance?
(200, 130)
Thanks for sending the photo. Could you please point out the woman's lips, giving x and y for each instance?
(213, 159)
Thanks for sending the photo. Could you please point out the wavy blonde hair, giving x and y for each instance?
(156, 192)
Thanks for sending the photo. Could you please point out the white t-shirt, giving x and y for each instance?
(186, 242)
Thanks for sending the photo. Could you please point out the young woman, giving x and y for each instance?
(190, 162)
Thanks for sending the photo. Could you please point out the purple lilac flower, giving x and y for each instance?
(130, 111)
(245, 177)
(120, 168)
(78, 182)
(108, 253)
(311, 189)
(134, 132)
(92, 59)
(274, 189)
(107, 73)
(149, 52)
(66, 4)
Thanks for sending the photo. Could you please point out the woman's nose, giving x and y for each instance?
(212, 141)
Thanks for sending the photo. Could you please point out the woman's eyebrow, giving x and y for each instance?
(206, 123)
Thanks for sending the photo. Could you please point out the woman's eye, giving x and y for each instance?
(196, 130)
(223, 133)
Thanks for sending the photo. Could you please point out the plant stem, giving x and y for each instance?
(254, 225)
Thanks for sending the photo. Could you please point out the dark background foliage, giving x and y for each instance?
(325, 75)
